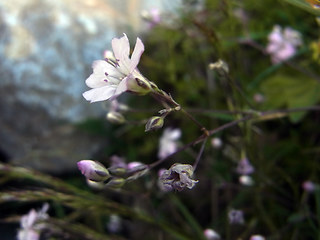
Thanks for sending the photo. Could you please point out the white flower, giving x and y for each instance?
(168, 142)
(283, 43)
(31, 224)
(115, 75)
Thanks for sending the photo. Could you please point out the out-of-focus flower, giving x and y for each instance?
(309, 186)
(246, 180)
(210, 234)
(115, 117)
(114, 224)
(115, 75)
(235, 217)
(168, 142)
(31, 224)
(153, 16)
(177, 177)
(216, 142)
(283, 43)
(258, 98)
(244, 167)
(93, 170)
(257, 237)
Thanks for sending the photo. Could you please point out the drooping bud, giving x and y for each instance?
(116, 182)
(115, 117)
(246, 180)
(93, 170)
(154, 123)
(178, 177)
(257, 237)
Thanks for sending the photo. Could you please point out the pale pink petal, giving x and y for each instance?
(100, 94)
(121, 88)
(121, 49)
(137, 52)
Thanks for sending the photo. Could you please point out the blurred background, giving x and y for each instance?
(272, 76)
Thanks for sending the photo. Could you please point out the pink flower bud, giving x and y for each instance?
(93, 170)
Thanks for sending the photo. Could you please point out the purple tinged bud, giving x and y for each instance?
(154, 123)
(93, 170)
(308, 186)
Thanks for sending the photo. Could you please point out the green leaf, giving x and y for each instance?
(292, 92)
(305, 6)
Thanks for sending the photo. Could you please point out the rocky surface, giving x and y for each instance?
(46, 51)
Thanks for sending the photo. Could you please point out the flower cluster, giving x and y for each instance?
(32, 224)
(245, 168)
(283, 43)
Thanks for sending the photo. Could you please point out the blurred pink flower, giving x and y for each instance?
(153, 16)
(31, 225)
(115, 75)
(283, 43)
(244, 167)
(308, 186)
(210, 234)
(168, 142)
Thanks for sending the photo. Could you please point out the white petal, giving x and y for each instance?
(137, 52)
(121, 49)
(121, 88)
(100, 94)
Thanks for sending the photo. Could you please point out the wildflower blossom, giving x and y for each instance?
(235, 217)
(283, 43)
(178, 177)
(31, 225)
(244, 167)
(168, 142)
(113, 76)
(210, 234)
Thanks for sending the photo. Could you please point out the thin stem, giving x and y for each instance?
(200, 154)
(194, 120)
(203, 137)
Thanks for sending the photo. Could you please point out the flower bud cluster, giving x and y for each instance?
(114, 177)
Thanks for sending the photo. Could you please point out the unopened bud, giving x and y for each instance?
(117, 171)
(154, 123)
(93, 170)
(116, 183)
(115, 117)
(221, 67)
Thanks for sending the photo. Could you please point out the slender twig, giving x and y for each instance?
(200, 154)
(203, 137)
